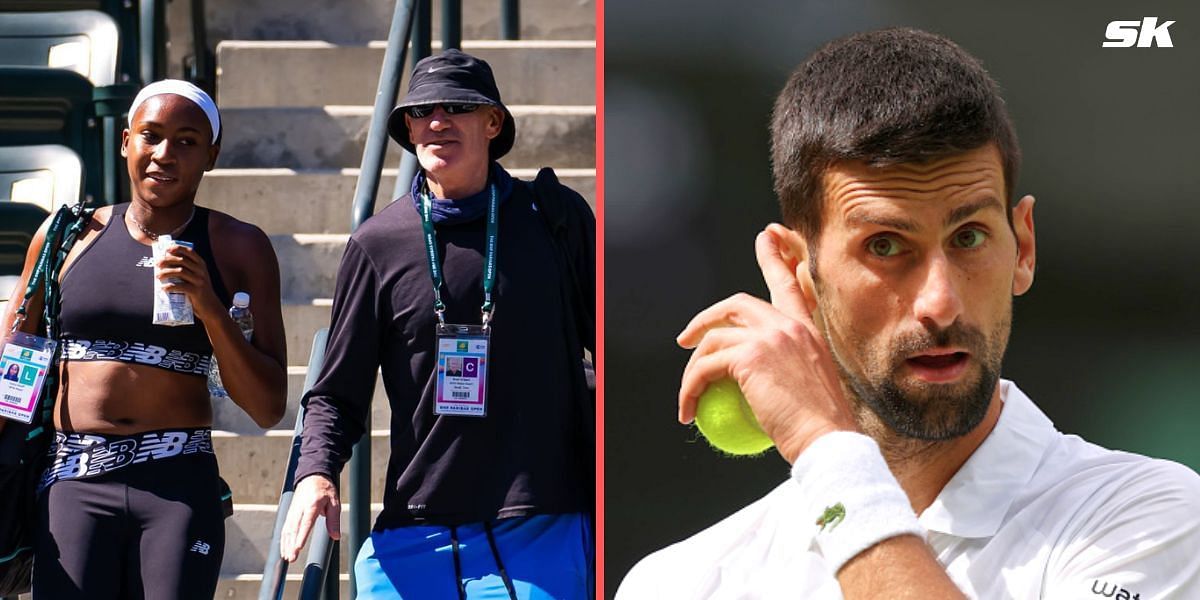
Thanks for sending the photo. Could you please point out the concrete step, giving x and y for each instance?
(308, 264)
(228, 416)
(305, 73)
(301, 322)
(282, 201)
(248, 537)
(253, 465)
(360, 21)
(333, 137)
(247, 586)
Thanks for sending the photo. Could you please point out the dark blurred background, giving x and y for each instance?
(1106, 342)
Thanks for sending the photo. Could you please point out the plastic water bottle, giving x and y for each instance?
(240, 313)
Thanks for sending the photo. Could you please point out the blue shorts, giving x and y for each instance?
(545, 557)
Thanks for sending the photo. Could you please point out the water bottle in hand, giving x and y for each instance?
(240, 313)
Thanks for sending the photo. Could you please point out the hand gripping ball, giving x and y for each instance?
(727, 422)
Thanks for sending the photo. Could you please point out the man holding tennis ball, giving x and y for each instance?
(875, 369)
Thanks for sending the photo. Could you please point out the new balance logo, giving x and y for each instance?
(1146, 33)
(201, 547)
(145, 262)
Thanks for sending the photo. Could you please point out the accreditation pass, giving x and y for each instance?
(461, 370)
(24, 361)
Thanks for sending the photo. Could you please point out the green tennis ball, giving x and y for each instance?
(727, 422)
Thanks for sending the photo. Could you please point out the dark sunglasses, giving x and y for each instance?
(424, 110)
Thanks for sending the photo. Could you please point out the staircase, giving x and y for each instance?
(295, 87)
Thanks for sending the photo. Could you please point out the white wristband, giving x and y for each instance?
(854, 500)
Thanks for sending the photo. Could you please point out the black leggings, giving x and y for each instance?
(153, 530)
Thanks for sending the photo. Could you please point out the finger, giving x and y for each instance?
(183, 285)
(175, 270)
(166, 272)
(287, 537)
(786, 294)
(180, 250)
(333, 519)
(307, 520)
(184, 277)
(192, 257)
(701, 373)
(690, 387)
(181, 255)
(716, 339)
(167, 261)
(739, 310)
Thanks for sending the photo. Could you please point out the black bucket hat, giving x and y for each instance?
(452, 76)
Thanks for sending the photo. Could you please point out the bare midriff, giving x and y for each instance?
(116, 398)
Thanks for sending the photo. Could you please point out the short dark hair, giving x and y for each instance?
(883, 97)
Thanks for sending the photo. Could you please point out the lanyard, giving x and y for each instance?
(53, 254)
(489, 261)
(50, 259)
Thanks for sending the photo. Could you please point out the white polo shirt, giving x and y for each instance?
(1033, 513)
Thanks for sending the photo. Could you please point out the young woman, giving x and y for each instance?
(130, 504)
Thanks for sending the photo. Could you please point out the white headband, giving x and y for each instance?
(185, 89)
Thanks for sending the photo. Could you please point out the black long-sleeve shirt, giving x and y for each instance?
(532, 453)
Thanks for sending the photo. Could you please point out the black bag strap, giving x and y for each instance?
(549, 198)
(553, 208)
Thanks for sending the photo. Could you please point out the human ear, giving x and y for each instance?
(124, 143)
(1022, 220)
(495, 122)
(793, 249)
(213, 151)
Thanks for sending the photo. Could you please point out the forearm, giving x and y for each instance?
(897, 568)
(256, 382)
(9, 314)
(331, 428)
(336, 408)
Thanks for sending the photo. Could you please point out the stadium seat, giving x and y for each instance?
(51, 106)
(34, 181)
(84, 41)
(123, 12)
(47, 176)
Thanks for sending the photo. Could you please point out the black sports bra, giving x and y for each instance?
(108, 302)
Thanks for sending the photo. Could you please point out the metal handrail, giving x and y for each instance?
(202, 71)
(275, 569)
(451, 24)
(510, 20)
(422, 46)
(150, 33)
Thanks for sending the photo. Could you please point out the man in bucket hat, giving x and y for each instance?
(474, 297)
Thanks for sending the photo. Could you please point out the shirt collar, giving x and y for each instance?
(976, 500)
(452, 211)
